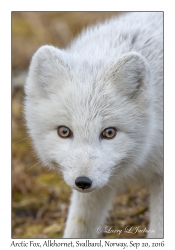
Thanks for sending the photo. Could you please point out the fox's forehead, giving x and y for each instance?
(87, 99)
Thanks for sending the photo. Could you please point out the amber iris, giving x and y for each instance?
(108, 133)
(64, 132)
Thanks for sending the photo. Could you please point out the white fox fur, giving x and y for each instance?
(110, 76)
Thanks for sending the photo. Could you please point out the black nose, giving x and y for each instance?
(83, 182)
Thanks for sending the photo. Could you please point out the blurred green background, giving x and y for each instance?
(40, 198)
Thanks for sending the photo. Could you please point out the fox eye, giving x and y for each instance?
(64, 132)
(108, 133)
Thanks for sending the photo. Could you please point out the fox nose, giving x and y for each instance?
(83, 182)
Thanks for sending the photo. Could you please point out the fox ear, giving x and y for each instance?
(132, 74)
(46, 68)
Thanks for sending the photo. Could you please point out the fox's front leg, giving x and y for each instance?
(87, 212)
(156, 209)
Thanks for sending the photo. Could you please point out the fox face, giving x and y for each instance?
(90, 120)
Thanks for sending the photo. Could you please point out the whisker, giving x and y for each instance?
(60, 182)
(20, 140)
(56, 178)
(34, 165)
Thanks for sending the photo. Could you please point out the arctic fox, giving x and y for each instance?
(95, 113)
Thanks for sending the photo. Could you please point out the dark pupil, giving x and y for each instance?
(64, 130)
(109, 131)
